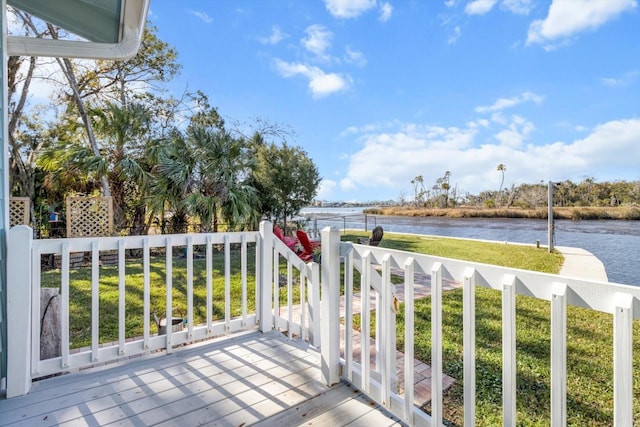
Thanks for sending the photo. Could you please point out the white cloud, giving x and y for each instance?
(326, 189)
(347, 185)
(276, 36)
(202, 16)
(354, 57)
(453, 38)
(479, 7)
(516, 133)
(504, 103)
(519, 7)
(385, 12)
(608, 141)
(320, 83)
(368, 128)
(349, 8)
(568, 18)
(403, 154)
(625, 80)
(317, 41)
(412, 150)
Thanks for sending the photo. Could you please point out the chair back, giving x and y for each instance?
(278, 232)
(376, 236)
(303, 238)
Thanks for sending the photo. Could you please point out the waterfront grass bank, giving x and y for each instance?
(573, 213)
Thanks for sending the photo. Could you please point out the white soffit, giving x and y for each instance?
(113, 27)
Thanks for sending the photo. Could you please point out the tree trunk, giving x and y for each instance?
(67, 68)
(50, 327)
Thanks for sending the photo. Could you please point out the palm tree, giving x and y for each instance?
(169, 186)
(417, 183)
(501, 168)
(205, 172)
(121, 133)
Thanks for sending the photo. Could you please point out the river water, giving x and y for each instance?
(615, 243)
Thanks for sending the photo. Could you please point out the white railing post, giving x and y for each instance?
(509, 350)
(623, 360)
(436, 343)
(330, 306)
(469, 344)
(19, 243)
(265, 281)
(559, 355)
(409, 322)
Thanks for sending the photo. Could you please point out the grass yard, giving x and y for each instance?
(80, 294)
(589, 341)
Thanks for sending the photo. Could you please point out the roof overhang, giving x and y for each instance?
(113, 27)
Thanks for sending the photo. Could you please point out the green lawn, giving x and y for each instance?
(589, 342)
(80, 294)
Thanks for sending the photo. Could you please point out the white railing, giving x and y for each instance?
(189, 264)
(375, 266)
(275, 263)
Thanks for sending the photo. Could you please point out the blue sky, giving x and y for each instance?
(379, 92)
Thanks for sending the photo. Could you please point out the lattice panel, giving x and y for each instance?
(89, 216)
(19, 211)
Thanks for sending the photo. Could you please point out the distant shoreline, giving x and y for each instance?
(573, 213)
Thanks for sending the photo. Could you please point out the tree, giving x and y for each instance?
(286, 178)
(123, 134)
(501, 168)
(92, 83)
(127, 81)
(418, 189)
(443, 184)
(206, 172)
(121, 137)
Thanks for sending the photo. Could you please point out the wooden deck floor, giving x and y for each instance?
(247, 379)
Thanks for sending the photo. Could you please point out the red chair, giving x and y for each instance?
(289, 241)
(278, 232)
(308, 247)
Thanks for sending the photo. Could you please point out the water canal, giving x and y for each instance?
(615, 243)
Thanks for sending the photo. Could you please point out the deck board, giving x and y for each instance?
(343, 406)
(240, 380)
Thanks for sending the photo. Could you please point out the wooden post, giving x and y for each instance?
(19, 244)
(265, 280)
(330, 306)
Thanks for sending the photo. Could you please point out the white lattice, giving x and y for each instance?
(89, 216)
(19, 211)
